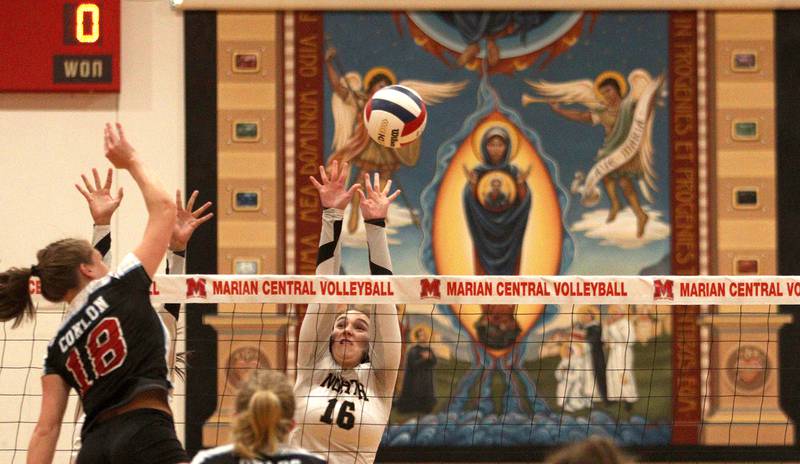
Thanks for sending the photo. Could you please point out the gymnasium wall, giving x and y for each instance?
(715, 200)
(48, 140)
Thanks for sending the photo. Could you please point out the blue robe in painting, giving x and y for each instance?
(497, 236)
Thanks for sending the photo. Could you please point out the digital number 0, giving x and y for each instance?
(93, 33)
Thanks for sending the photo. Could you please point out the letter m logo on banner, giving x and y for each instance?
(662, 289)
(195, 287)
(430, 288)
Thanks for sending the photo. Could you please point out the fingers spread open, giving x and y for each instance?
(323, 175)
(201, 209)
(97, 184)
(353, 189)
(203, 219)
(335, 171)
(87, 184)
(83, 192)
(368, 184)
(344, 172)
(109, 179)
(192, 199)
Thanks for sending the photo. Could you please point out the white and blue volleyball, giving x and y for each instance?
(395, 116)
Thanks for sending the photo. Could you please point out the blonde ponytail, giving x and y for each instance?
(265, 408)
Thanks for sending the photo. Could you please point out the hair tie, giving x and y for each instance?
(34, 271)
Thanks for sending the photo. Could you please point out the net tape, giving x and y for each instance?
(661, 290)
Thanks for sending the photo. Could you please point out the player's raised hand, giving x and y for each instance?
(118, 150)
(332, 190)
(187, 220)
(375, 204)
(102, 202)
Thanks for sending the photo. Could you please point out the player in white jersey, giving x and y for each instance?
(347, 358)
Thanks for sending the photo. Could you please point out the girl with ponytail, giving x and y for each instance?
(264, 417)
(111, 346)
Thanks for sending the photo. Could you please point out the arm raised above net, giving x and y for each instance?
(386, 348)
(318, 320)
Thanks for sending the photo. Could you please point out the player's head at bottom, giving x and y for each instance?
(594, 450)
(264, 413)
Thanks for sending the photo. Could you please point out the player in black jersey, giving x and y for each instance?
(102, 205)
(111, 346)
(264, 416)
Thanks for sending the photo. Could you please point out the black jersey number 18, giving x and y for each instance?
(345, 419)
(106, 350)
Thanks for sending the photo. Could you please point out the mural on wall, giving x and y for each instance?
(514, 176)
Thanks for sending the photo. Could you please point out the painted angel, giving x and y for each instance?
(350, 140)
(625, 110)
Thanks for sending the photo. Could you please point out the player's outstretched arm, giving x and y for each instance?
(386, 347)
(161, 208)
(334, 197)
(187, 220)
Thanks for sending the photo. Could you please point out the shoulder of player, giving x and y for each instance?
(218, 455)
(129, 262)
(130, 266)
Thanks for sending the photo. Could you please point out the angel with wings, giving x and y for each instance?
(624, 108)
(351, 143)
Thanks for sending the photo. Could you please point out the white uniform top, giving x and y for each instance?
(341, 413)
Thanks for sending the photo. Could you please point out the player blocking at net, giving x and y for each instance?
(348, 358)
(111, 346)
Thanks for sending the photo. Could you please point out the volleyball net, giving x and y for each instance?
(507, 362)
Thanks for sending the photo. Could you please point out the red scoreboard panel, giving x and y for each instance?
(59, 45)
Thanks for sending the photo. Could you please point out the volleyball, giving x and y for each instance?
(395, 116)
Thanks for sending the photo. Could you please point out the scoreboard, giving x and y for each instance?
(60, 46)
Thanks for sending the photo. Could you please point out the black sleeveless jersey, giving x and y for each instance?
(112, 345)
